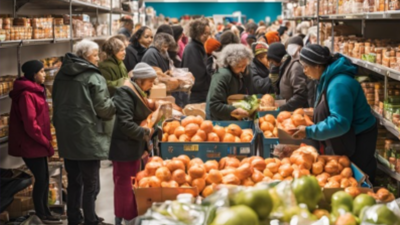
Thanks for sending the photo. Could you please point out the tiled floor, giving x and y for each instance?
(105, 200)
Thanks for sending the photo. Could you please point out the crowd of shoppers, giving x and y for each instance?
(99, 106)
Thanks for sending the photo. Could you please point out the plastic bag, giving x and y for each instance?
(186, 78)
(382, 214)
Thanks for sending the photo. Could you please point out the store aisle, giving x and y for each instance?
(105, 200)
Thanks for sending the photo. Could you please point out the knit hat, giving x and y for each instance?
(251, 36)
(315, 54)
(30, 68)
(228, 37)
(177, 30)
(165, 29)
(296, 40)
(276, 51)
(272, 37)
(211, 45)
(259, 48)
(143, 71)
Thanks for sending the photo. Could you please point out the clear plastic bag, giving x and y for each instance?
(186, 78)
(382, 214)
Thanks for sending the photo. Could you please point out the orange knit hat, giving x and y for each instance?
(272, 37)
(211, 45)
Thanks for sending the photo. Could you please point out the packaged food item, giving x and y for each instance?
(394, 157)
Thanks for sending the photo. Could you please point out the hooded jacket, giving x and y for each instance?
(29, 128)
(115, 73)
(347, 104)
(195, 59)
(293, 86)
(261, 82)
(83, 110)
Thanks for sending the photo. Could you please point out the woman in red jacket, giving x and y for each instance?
(29, 133)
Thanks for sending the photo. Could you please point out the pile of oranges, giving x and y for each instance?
(196, 129)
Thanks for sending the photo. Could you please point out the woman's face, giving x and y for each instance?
(146, 38)
(204, 37)
(120, 55)
(40, 76)
(240, 67)
(312, 72)
(263, 59)
(94, 57)
(146, 84)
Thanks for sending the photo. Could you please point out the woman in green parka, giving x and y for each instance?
(229, 80)
(113, 68)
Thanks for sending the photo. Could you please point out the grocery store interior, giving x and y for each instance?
(200, 112)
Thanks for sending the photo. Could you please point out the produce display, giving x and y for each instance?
(285, 121)
(249, 103)
(196, 129)
(267, 103)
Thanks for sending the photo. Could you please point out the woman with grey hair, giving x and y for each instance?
(157, 56)
(82, 111)
(231, 78)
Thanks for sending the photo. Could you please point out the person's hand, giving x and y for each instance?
(300, 133)
(239, 112)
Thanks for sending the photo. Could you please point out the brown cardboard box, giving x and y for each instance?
(158, 91)
(146, 196)
(20, 206)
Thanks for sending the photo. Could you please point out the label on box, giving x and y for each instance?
(214, 155)
(191, 148)
(245, 150)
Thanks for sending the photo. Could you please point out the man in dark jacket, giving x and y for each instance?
(156, 55)
(291, 84)
(127, 27)
(195, 59)
(82, 112)
(259, 70)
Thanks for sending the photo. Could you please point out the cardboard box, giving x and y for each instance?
(158, 91)
(145, 197)
(20, 206)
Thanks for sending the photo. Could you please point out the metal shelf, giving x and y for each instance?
(386, 170)
(302, 18)
(91, 5)
(364, 16)
(92, 38)
(382, 70)
(120, 11)
(11, 44)
(387, 124)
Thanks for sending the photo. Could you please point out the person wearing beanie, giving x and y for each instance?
(251, 28)
(344, 124)
(287, 77)
(29, 133)
(138, 45)
(212, 45)
(165, 28)
(83, 119)
(272, 37)
(129, 139)
(259, 69)
(195, 59)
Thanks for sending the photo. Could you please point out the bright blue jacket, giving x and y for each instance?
(346, 100)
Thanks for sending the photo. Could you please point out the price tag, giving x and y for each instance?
(191, 148)
(245, 150)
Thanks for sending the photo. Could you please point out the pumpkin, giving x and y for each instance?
(163, 174)
(179, 176)
(172, 138)
(207, 126)
(191, 129)
(212, 137)
(234, 130)
(220, 131)
(179, 131)
(197, 171)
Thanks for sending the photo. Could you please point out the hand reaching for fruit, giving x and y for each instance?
(239, 113)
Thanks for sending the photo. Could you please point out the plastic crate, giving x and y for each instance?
(212, 150)
(263, 113)
(268, 144)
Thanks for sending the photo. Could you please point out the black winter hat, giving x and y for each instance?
(315, 55)
(296, 40)
(276, 51)
(30, 68)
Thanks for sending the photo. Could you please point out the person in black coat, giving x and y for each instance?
(195, 59)
(259, 70)
(139, 43)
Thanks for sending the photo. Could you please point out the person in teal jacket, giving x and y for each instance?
(344, 123)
